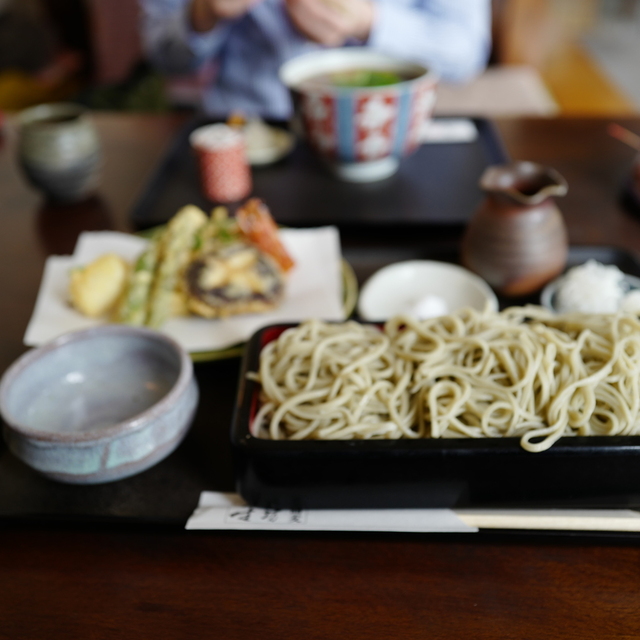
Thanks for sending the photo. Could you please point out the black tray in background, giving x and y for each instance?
(167, 494)
(630, 197)
(438, 184)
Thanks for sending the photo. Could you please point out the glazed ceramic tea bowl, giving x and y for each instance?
(98, 405)
(361, 132)
(59, 150)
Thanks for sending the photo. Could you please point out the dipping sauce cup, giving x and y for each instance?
(225, 173)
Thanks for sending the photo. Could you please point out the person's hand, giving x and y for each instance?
(205, 14)
(332, 22)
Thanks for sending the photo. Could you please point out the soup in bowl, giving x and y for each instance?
(362, 110)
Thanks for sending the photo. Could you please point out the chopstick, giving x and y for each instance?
(624, 135)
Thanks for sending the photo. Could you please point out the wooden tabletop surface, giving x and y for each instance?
(86, 580)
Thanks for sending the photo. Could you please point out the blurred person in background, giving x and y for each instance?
(250, 39)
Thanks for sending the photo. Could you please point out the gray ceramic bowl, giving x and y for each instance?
(59, 150)
(98, 405)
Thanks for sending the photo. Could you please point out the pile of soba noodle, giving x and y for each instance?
(523, 373)
(335, 381)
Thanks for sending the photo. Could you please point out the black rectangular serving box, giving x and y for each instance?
(576, 471)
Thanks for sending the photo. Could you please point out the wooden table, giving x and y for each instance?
(109, 581)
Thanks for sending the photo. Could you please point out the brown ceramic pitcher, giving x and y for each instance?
(517, 240)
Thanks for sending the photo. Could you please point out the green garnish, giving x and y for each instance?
(365, 78)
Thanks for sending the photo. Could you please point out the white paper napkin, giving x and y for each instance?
(448, 130)
(314, 289)
(229, 511)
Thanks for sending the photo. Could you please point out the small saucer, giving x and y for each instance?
(266, 144)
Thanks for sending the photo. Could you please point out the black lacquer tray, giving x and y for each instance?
(429, 473)
(630, 197)
(437, 185)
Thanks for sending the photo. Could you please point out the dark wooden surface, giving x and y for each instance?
(90, 581)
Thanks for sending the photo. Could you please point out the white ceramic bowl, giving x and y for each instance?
(98, 405)
(423, 288)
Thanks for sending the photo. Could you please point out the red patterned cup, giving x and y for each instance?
(225, 174)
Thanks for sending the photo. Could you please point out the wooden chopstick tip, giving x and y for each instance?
(623, 134)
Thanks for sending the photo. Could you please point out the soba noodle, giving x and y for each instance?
(335, 381)
(521, 373)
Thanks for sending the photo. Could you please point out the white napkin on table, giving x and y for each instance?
(448, 130)
(313, 289)
(229, 511)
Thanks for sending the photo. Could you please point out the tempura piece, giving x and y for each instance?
(96, 288)
(134, 309)
(238, 278)
(256, 223)
(220, 230)
(176, 247)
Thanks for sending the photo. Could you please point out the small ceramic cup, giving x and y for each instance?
(225, 175)
(59, 150)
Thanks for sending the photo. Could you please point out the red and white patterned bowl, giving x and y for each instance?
(361, 131)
